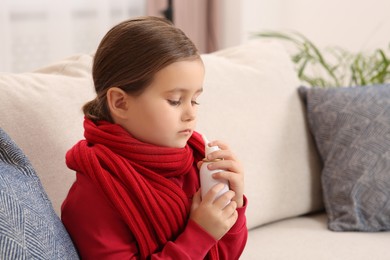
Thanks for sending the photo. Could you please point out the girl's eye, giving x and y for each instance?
(178, 102)
(174, 102)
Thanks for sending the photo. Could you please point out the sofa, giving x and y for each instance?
(250, 100)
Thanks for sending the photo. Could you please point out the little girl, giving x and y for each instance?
(136, 195)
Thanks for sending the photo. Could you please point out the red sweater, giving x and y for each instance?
(99, 232)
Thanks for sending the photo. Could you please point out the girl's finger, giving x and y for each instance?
(196, 199)
(220, 144)
(224, 199)
(212, 193)
(226, 165)
(199, 164)
(230, 208)
(221, 154)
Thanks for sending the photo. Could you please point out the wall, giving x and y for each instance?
(351, 24)
(37, 32)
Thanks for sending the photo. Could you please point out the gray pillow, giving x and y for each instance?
(351, 127)
(29, 227)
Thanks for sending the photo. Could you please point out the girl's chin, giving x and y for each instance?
(177, 144)
(180, 144)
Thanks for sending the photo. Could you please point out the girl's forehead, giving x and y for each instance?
(179, 77)
(183, 90)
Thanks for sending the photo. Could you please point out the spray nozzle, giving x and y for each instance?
(209, 149)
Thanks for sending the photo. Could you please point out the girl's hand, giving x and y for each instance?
(216, 216)
(232, 170)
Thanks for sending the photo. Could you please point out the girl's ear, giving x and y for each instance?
(117, 101)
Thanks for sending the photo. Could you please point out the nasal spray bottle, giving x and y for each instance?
(206, 179)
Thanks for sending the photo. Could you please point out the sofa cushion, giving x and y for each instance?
(250, 100)
(351, 127)
(308, 238)
(41, 111)
(29, 226)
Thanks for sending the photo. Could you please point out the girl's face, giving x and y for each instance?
(165, 113)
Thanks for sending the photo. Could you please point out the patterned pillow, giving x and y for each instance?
(351, 127)
(29, 227)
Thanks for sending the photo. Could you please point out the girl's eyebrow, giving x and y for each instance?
(200, 90)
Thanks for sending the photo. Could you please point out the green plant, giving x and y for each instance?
(334, 67)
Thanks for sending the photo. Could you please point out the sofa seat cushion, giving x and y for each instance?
(29, 227)
(308, 238)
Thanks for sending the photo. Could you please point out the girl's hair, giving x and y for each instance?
(130, 54)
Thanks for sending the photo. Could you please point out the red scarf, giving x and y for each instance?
(135, 177)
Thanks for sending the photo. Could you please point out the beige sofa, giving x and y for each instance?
(250, 101)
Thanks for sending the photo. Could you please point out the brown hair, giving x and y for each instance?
(130, 54)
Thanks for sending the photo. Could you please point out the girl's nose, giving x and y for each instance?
(189, 113)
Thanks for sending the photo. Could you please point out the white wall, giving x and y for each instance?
(354, 25)
(34, 33)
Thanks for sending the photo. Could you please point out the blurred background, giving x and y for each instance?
(35, 33)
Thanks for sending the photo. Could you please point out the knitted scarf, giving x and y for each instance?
(135, 177)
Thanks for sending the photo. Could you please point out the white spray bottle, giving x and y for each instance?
(206, 179)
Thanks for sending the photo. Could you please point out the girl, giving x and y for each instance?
(136, 195)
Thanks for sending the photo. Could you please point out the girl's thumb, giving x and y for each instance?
(196, 200)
